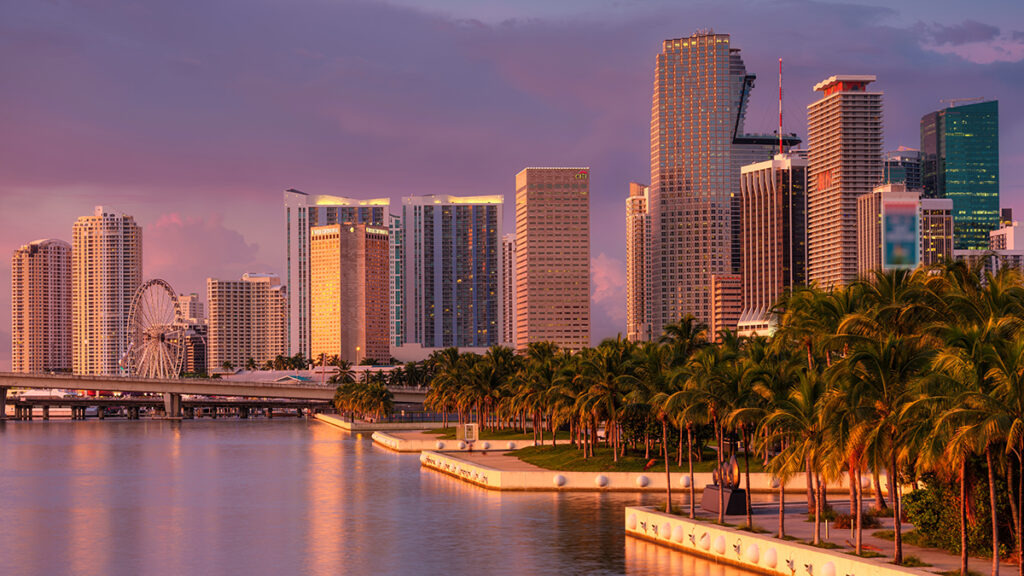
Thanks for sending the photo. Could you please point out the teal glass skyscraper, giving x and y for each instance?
(960, 161)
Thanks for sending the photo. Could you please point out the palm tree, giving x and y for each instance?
(608, 372)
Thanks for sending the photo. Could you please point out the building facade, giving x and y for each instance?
(41, 307)
(888, 229)
(774, 237)
(350, 292)
(902, 166)
(508, 290)
(698, 145)
(248, 319)
(960, 161)
(638, 240)
(302, 212)
(726, 304)
(553, 257)
(936, 231)
(453, 283)
(106, 271)
(844, 162)
(396, 271)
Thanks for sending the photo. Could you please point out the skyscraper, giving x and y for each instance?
(726, 304)
(903, 166)
(844, 162)
(303, 211)
(106, 271)
(452, 270)
(396, 270)
(638, 239)
(508, 290)
(960, 161)
(774, 237)
(553, 257)
(350, 292)
(191, 307)
(698, 144)
(888, 229)
(41, 307)
(936, 230)
(248, 320)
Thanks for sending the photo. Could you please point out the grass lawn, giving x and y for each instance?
(567, 458)
(506, 434)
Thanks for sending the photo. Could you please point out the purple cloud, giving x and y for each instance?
(963, 33)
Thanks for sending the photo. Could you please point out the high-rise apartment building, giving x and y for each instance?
(41, 307)
(960, 161)
(844, 162)
(191, 307)
(396, 271)
(452, 265)
(726, 304)
(774, 237)
(936, 231)
(350, 292)
(302, 212)
(903, 166)
(638, 241)
(1005, 238)
(248, 320)
(553, 257)
(508, 290)
(698, 144)
(106, 271)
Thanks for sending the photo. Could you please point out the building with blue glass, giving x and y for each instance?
(452, 271)
(960, 161)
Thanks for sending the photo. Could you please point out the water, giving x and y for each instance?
(285, 497)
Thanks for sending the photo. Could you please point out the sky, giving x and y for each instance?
(193, 116)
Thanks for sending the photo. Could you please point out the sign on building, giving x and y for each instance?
(900, 234)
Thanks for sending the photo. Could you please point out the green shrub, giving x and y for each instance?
(848, 520)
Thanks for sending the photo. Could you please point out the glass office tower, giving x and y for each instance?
(960, 161)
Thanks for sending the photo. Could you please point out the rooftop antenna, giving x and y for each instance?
(780, 105)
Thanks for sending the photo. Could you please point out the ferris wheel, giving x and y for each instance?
(156, 343)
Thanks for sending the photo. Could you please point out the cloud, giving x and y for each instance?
(185, 250)
(608, 289)
(973, 41)
(965, 32)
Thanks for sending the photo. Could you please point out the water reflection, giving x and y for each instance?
(286, 497)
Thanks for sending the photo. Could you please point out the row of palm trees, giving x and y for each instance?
(905, 372)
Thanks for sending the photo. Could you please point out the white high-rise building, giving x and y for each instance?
(508, 293)
(844, 162)
(106, 271)
(638, 241)
(302, 212)
(248, 320)
(41, 307)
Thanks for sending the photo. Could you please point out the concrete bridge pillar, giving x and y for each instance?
(3, 402)
(172, 404)
(46, 411)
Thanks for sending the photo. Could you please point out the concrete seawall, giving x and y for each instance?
(374, 426)
(399, 444)
(755, 552)
(555, 480)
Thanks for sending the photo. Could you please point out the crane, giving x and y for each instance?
(954, 101)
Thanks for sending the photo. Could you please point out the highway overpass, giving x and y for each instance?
(172, 389)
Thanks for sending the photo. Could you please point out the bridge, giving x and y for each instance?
(173, 389)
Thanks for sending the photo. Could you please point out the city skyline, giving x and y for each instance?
(220, 215)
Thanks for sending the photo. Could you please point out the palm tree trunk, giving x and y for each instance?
(817, 511)
(746, 464)
(859, 502)
(992, 507)
(876, 485)
(1020, 511)
(614, 432)
(853, 497)
(668, 478)
(963, 517)
(721, 484)
(782, 508)
(679, 453)
(689, 460)
(810, 487)
(897, 527)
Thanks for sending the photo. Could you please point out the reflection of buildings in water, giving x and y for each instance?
(643, 557)
(326, 487)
